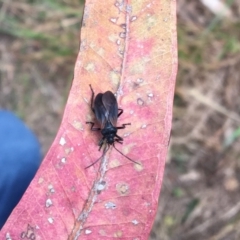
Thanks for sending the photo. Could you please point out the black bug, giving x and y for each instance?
(105, 108)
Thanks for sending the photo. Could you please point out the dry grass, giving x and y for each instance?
(38, 47)
(200, 197)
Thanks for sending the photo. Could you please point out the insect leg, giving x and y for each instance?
(119, 138)
(123, 126)
(92, 128)
(126, 156)
(104, 152)
(94, 162)
(120, 112)
(101, 143)
(92, 98)
(119, 141)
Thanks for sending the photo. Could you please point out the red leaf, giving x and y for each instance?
(128, 47)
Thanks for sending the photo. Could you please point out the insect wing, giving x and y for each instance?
(110, 103)
(99, 110)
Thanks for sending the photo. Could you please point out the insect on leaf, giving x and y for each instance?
(128, 48)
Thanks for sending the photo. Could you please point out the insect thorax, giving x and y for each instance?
(109, 132)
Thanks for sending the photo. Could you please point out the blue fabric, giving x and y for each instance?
(20, 157)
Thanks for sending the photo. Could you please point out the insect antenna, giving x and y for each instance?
(104, 152)
(126, 156)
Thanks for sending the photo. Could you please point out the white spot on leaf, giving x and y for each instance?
(113, 20)
(62, 141)
(90, 67)
(101, 186)
(110, 205)
(87, 231)
(140, 101)
(8, 236)
(122, 34)
(140, 80)
(49, 203)
(51, 189)
(135, 222)
(50, 220)
(133, 18)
